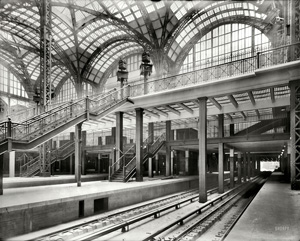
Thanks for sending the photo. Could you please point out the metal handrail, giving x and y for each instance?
(156, 143)
(197, 76)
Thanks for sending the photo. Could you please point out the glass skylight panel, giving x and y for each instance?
(121, 5)
(79, 15)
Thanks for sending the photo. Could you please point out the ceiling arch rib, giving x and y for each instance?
(110, 54)
(91, 61)
(183, 14)
(112, 15)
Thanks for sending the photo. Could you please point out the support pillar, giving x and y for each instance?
(239, 166)
(1, 173)
(83, 152)
(139, 144)
(295, 133)
(249, 166)
(221, 153)
(258, 165)
(245, 166)
(78, 141)
(119, 138)
(71, 164)
(202, 136)
(186, 163)
(172, 163)
(168, 148)
(156, 164)
(150, 167)
(231, 166)
(12, 163)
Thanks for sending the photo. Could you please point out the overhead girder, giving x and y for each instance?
(181, 24)
(186, 49)
(119, 23)
(148, 24)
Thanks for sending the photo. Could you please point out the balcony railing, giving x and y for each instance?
(246, 65)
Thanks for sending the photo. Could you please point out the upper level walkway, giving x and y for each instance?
(274, 214)
(257, 83)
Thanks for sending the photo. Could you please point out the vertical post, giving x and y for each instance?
(172, 163)
(12, 163)
(150, 167)
(231, 165)
(78, 154)
(202, 136)
(258, 165)
(249, 166)
(239, 166)
(45, 70)
(1, 173)
(139, 144)
(119, 138)
(71, 164)
(72, 138)
(295, 133)
(245, 166)
(186, 162)
(221, 153)
(168, 148)
(156, 164)
(83, 152)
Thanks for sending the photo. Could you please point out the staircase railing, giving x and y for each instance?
(40, 124)
(119, 163)
(33, 164)
(150, 149)
(30, 167)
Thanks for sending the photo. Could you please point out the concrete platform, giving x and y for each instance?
(274, 214)
(15, 182)
(27, 209)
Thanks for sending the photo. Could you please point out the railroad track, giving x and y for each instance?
(196, 227)
(115, 221)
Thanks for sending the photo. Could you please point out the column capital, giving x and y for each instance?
(202, 98)
(293, 83)
(139, 109)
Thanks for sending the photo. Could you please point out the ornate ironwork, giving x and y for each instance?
(295, 135)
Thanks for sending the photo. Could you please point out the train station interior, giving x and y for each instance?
(113, 113)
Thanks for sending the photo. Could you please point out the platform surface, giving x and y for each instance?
(15, 182)
(37, 195)
(274, 214)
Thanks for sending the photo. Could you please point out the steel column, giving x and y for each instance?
(139, 144)
(78, 156)
(168, 148)
(119, 138)
(44, 7)
(295, 134)
(221, 153)
(239, 166)
(231, 165)
(245, 166)
(202, 136)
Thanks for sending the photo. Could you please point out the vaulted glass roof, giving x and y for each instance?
(90, 36)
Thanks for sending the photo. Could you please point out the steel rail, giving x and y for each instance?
(199, 210)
